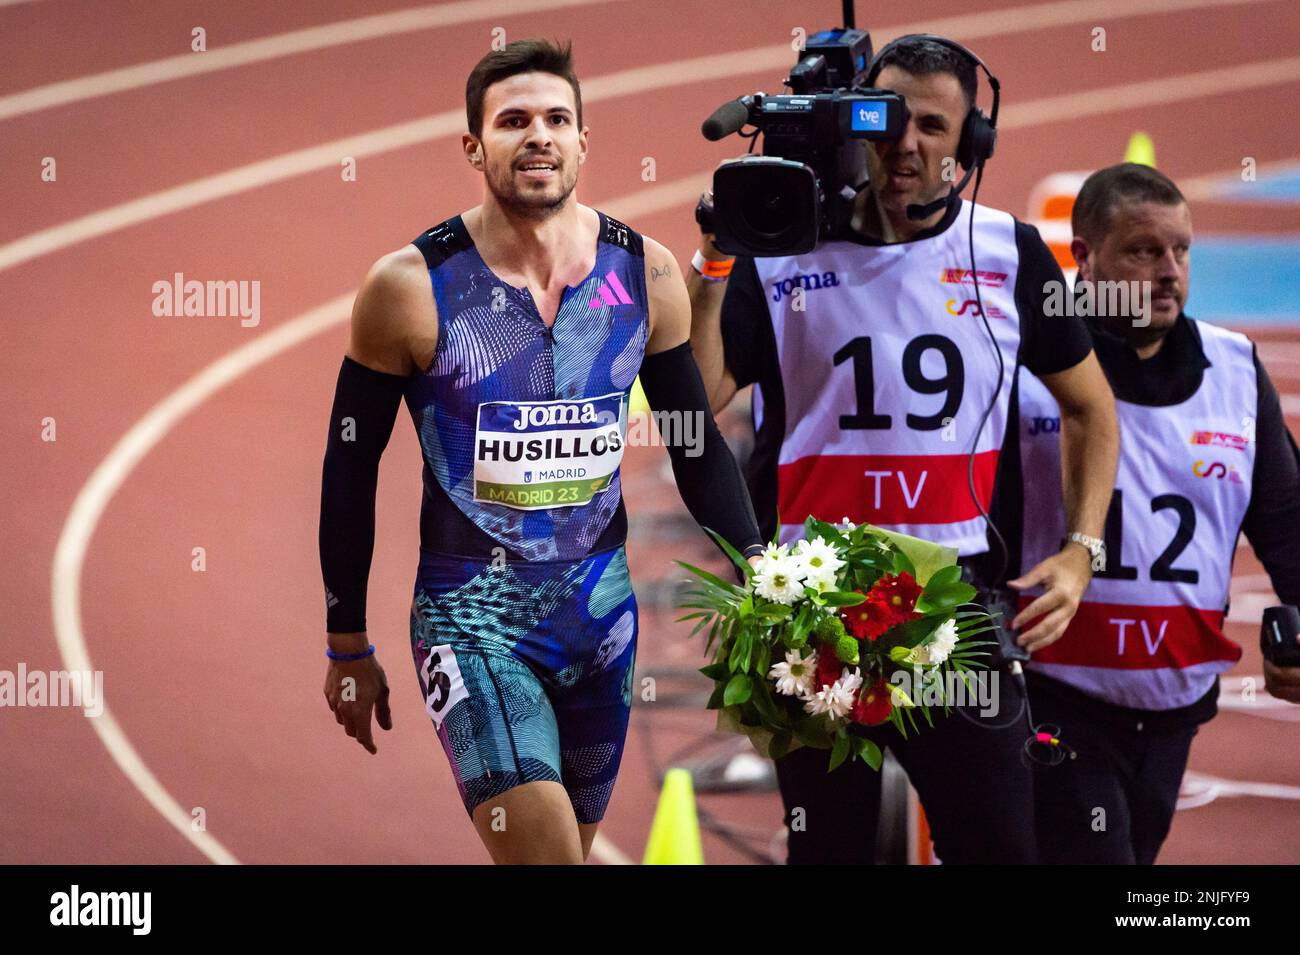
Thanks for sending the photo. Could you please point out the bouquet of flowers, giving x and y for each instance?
(827, 636)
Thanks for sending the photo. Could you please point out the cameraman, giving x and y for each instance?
(840, 432)
(1206, 456)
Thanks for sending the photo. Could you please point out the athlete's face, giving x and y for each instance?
(1146, 242)
(913, 168)
(531, 145)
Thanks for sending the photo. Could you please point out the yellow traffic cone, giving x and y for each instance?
(675, 832)
(1141, 150)
(638, 404)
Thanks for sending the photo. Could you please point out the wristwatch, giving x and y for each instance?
(1094, 546)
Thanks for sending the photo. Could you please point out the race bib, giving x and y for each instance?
(533, 455)
(445, 685)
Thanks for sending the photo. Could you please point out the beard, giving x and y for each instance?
(1128, 324)
(531, 200)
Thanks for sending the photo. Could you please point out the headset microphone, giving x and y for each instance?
(918, 212)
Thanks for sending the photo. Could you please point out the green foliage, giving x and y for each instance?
(846, 648)
(744, 633)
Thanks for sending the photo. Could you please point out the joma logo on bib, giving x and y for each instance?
(554, 414)
(542, 454)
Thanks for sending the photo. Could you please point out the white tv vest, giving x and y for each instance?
(887, 370)
(1149, 632)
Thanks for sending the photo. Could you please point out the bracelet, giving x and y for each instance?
(350, 657)
(712, 270)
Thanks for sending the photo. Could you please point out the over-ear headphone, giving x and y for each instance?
(979, 133)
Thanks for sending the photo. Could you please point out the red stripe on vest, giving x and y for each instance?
(909, 488)
(1125, 637)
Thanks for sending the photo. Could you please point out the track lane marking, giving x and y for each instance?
(275, 46)
(763, 59)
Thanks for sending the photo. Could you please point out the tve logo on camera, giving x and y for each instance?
(869, 117)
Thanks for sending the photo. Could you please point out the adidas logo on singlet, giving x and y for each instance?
(808, 281)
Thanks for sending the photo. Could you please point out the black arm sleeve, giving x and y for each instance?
(361, 422)
(1048, 344)
(748, 344)
(1272, 523)
(708, 478)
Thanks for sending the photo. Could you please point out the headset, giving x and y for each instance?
(979, 133)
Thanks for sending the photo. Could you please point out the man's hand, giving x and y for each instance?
(1065, 576)
(1282, 682)
(353, 690)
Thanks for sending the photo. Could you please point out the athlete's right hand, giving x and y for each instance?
(353, 690)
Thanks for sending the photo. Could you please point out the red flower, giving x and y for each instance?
(873, 705)
(899, 592)
(889, 602)
(829, 666)
(869, 619)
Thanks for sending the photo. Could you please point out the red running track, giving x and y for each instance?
(215, 677)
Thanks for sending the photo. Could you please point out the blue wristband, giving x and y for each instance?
(350, 657)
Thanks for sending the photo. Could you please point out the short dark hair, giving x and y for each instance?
(518, 56)
(1104, 191)
(925, 58)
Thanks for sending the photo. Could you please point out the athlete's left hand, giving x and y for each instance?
(1064, 576)
(1282, 682)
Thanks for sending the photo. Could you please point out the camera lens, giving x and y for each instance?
(766, 206)
(769, 214)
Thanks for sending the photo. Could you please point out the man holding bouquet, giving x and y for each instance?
(840, 432)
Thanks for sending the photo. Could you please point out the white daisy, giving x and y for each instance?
(942, 642)
(835, 700)
(779, 578)
(794, 676)
(819, 557)
(822, 582)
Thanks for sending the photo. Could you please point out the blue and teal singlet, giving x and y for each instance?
(523, 623)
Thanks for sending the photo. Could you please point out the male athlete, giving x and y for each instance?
(1204, 455)
(514, 332)
(869, 395)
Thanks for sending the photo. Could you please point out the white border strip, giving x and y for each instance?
(93, 498)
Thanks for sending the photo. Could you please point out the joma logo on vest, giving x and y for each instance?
(539, 416)
(808, 281)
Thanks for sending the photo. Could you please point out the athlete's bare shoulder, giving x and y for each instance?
(670, 306)
(659, 262)
(394, 320)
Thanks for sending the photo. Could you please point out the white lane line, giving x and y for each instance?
(272, 47)
(308, 39)
(1170, 89)
(627, 82)
(608, 853)
(89, 507)
(1199, 789)
(1209, 187)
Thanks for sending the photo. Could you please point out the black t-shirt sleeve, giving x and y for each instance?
(1048, 344)
(1272, 523)
(747, 340)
